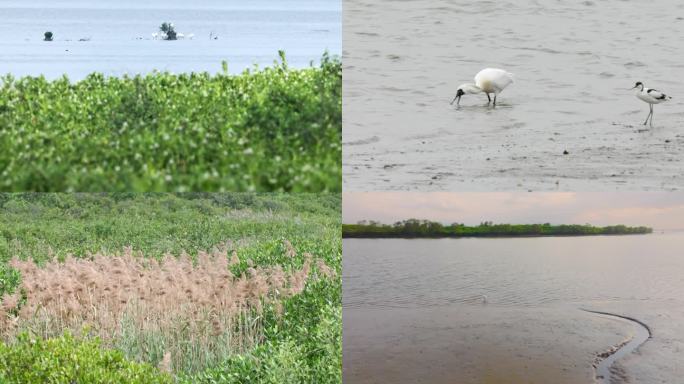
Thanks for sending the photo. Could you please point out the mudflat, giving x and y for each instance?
(511, 310)
(569, 121)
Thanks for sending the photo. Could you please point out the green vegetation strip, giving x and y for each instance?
(272, 129)
(302, 339)
(67, 360)
(424, 228)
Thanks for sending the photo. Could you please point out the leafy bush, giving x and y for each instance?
(274, 129)
(67, 360)
(300, 348)
(9, 279)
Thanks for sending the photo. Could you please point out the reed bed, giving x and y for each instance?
(170, 288)
(181, 313)
(178, 312)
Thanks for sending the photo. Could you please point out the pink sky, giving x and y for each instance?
(660, 210)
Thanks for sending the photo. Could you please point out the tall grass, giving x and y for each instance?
(271, 129)
(196, 312)
(262, 304)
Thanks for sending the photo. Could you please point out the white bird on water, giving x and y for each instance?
(650, 96)
(488, 80)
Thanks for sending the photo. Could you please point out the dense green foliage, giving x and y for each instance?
(425, 228)
(272, 129)
(39, 225)
(303, 341)
(67, 360)
(309, 352)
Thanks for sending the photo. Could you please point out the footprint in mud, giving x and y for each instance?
(370, 140)
(391, 166)
(441, 175)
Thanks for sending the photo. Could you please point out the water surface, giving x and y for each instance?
(573, 62)
(119, 40)
(414, 309)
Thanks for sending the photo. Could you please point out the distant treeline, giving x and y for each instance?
(425, 228)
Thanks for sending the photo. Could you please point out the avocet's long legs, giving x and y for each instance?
(649, 114)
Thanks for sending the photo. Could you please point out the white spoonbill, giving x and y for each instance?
(488, 80)
(650, 96)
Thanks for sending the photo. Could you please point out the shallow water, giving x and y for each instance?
(120, 41)
(418, 305)
(573, 63)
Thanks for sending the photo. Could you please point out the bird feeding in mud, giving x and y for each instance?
(488, 80)
(650, 96)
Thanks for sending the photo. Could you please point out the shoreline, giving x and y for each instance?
(390, 236)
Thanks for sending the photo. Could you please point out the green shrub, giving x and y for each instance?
(39, 225)
(272, 129)
(299, 348)
(9, 279)
(67, 360)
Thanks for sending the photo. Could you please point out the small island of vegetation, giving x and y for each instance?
(424, 228)
(168, 31)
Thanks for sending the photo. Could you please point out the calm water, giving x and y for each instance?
(573, 62)
(120, 32)
(396, 291)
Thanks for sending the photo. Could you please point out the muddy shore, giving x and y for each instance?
(481, 345)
